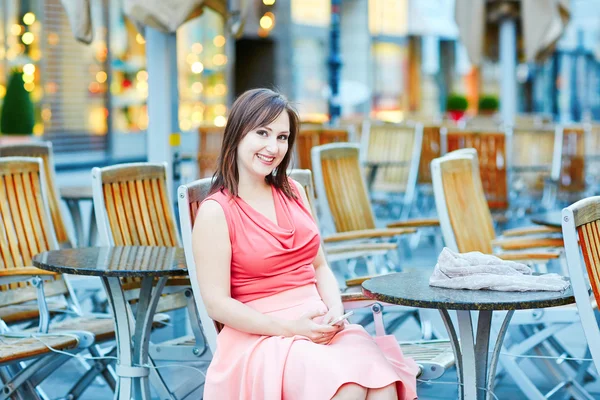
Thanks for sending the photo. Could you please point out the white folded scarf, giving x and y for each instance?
(476, 270)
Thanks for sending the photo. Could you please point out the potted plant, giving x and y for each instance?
(456, 105)
(16, 117)
(488, 104)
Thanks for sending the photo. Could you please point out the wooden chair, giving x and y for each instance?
(210, 141)
(315, 136)
(44, 151)
(433, 357)
(592, 156)
(467, 226)
(344, 201)
(133, 207)
(390, 154)
(465, 217)
(491, 149)
(531, 164)
(581, 232)
(568, 179)
(27, 230)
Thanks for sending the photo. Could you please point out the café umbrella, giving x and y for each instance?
(163, 15)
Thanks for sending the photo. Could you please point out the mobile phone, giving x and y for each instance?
(341, 318)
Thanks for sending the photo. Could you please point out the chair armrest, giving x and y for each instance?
(358, 280)
(529, 256)
(367, 234)
(354, 296)
(361, 247)
(415, 223)
(530, 230)
(527, 243)
(24, 274)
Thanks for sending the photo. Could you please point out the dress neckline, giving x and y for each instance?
(283, 221)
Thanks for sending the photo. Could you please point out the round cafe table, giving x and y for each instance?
(474, 371)
(111, 264)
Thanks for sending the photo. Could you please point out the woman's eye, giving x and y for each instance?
(283, 137)
(261, 132)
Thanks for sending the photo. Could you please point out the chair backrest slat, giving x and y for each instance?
(464, 214)
(340, 187)
(43, 150)
(149, 214)
(430, 149)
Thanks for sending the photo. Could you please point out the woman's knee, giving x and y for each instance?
(350, 391)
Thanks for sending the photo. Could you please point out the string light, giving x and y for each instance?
(219, 41)
(266, 22)
(29, 18)
(220, 121)
(28, 38)
(197, 48)
(197, 87)
(101, 76)
(142, 75)
(197, 67)
(16, 29)
(29, 69)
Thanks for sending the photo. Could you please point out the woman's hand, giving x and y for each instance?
(319, 333)
(333, 313)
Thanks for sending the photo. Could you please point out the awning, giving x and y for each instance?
(542, 22)
(163, 15)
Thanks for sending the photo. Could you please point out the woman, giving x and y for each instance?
(263, 275)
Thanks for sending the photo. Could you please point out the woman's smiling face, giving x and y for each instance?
(262, 149)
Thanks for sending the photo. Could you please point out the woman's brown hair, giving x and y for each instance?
(254, 109)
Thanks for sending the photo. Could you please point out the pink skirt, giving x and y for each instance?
(253, 367)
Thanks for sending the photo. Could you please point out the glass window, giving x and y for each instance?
(202, 64)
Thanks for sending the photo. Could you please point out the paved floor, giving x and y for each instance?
(443, 388)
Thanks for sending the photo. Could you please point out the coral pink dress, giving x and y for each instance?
(272, 272)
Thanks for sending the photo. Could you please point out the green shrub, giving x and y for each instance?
(456, 102)
(17, 111)
(488, 102)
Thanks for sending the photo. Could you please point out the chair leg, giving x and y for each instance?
(26, 391)
(19, 381)
(100, 367)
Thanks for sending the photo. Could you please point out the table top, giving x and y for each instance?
(412, 289)
(80, 192)
(551, 218)
(121, 261)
